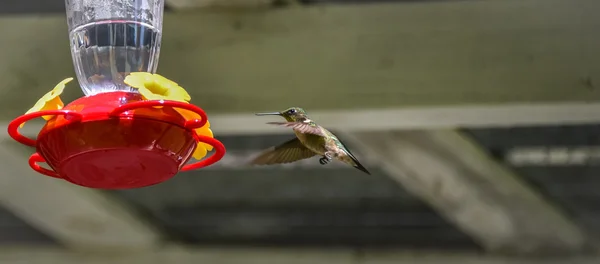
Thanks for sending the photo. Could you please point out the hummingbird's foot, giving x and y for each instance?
(326, 158)
(323, 160)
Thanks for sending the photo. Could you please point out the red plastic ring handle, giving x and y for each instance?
(33, 163)
(13, 127)
(216, 156)
(189, 124)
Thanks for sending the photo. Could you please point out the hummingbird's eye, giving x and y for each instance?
(292, 111)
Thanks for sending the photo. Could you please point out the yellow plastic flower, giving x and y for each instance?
(202, 148)
(51, 100)
(156, 87)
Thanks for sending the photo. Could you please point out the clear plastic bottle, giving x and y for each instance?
(111, 38)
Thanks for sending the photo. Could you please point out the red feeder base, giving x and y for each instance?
(117, 141)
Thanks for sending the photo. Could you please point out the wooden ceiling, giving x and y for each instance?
(343, 58)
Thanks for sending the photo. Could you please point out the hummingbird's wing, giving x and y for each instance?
(290, 151)
(302, 127)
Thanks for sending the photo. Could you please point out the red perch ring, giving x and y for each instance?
(117, 140)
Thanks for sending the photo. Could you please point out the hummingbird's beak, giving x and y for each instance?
(265, 114)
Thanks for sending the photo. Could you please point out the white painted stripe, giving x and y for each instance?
(553, 156)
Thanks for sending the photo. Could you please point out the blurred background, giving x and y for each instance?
(479, 120)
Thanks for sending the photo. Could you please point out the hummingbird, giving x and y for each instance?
(311, 140)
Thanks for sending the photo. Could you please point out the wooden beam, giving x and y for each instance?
(344, 57)
(78, 217)
(263, 255)
(509, 115)
(483, 198)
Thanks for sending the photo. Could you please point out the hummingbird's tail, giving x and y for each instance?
(360, 167)
(353, 161)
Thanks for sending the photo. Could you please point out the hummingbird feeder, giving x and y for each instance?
(131, 129)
